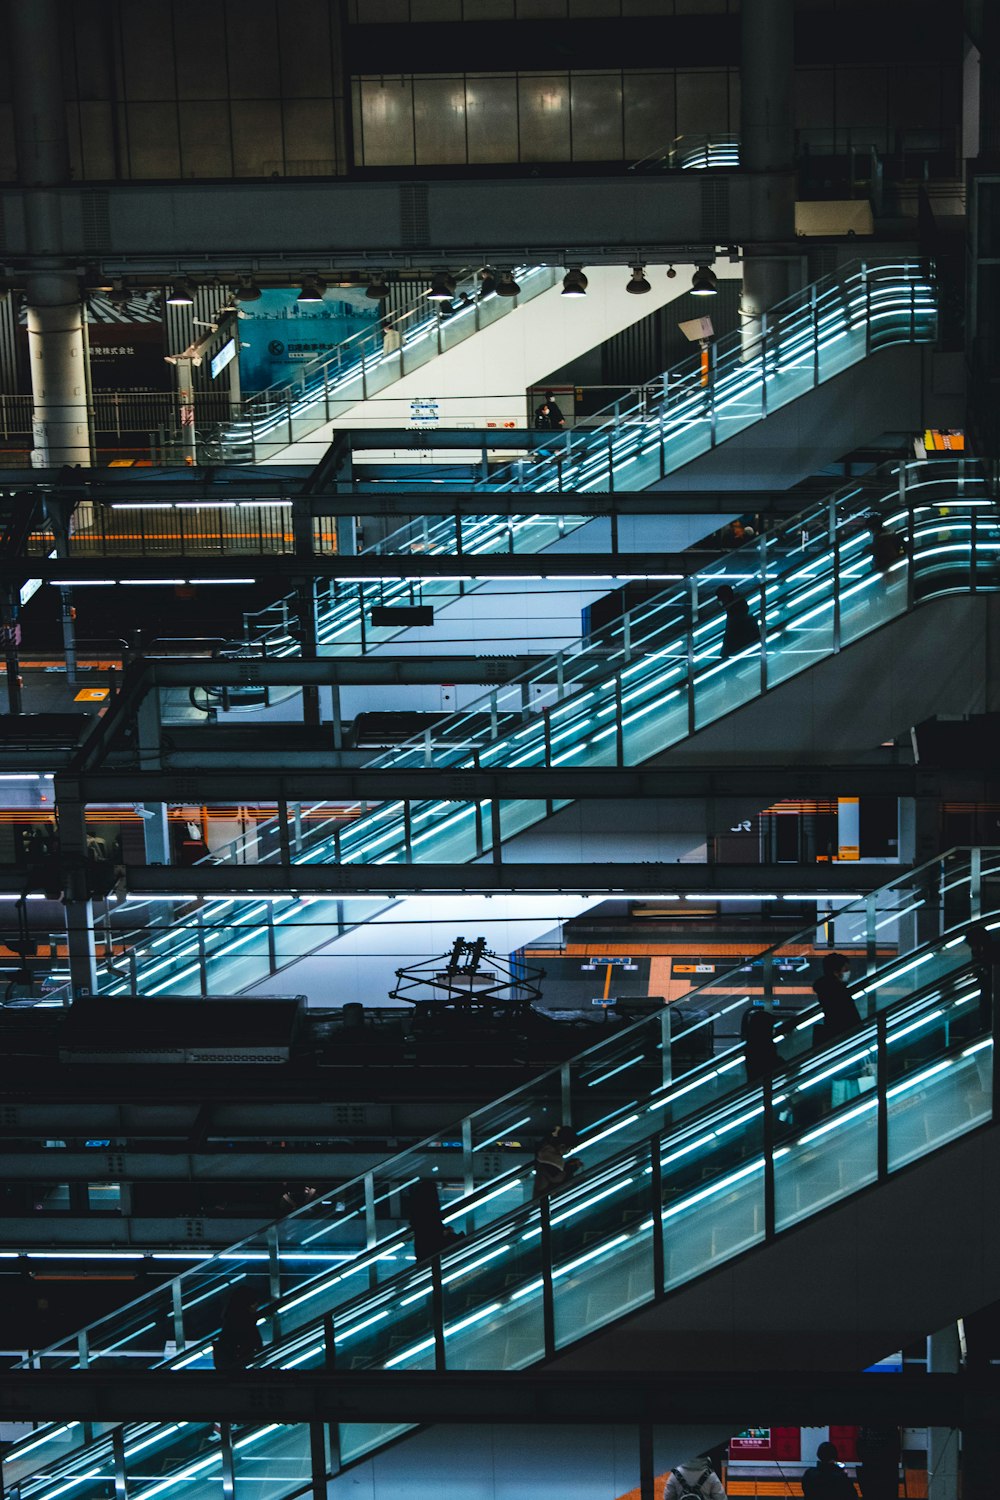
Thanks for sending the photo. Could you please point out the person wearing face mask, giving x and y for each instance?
(840, 1013)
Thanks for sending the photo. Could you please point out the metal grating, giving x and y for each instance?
(414, 220)
(715, 208)
(96, 221)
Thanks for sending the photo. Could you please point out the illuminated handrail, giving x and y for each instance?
(901, 1086)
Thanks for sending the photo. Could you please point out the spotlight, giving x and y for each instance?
(574, 283)
(247, 291)
(703, 283)
(182, 292)
(442, 286)
(671, 273)
(313, 287)
(638, 285)
(94, 280)
(378, 288)
(506, 286)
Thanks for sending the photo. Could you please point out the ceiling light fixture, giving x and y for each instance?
(704, 283)
(671, 273)
(442, 287)
(378, 288)
(247, 290)
(574, 283)
(638, 285)
(313, 287)
(94, 280)
(182, 292)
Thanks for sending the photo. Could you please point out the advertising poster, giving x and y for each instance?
(280, 335)
(125, 340)
(766, 1444)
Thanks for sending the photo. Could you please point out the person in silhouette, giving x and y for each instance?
(423, 1209)
(742, 629)
(238, 1340)
(553, 1169)
(826, 1480)
(548, 417)
(760, 1053)
(840, 1013)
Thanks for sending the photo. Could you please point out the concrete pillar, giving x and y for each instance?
(78, 905)
(943, 1358)
(767, 146)
(56, 337)
(58, 357)
(155, 824)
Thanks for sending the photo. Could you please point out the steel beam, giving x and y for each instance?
(471, 1396)
(222, 229)
(645, 879)
(369, 669)
(119, 487)
(198, 776)
(250, 568)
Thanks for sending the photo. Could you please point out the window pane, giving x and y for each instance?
(597, 116)
(543, 112)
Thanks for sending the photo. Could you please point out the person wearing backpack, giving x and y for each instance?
(695, 1480)
(827, 1480)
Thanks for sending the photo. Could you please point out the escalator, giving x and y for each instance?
(649, 684)
(808, 340)
(685, 1179)
(899, 939)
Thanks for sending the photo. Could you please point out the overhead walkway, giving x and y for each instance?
(648, 684)
(687, 1170)
(813, 337)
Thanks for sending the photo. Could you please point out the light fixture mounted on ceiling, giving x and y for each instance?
(94, 280)
(313, 287)
(671, 273)
(182, 292)
(377, 289)
(704, 283)
(247, 290)
(574, 283)
(638, 285)
(442, 286)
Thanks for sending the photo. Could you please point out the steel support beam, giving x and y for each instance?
(644, 879)
(365, 670)
(319, 777)
(526, 565)
(216, 487)
(222, 229)
(536, 1396)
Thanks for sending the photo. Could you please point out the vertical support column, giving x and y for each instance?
(56, 336)
(155, 825)
(943, 1358)
(767, 155)
(305, 611)
(79, 908)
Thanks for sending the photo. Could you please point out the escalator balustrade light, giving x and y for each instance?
(313, 288)
(638, 285)
(182, 292)
(506, 285)
(442, 287)
(703, 283)
(247, 290)
(574, 283)
(378, 289)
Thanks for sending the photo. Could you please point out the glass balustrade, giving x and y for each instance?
(327, 386)
(658, 1074)
(657, 1211)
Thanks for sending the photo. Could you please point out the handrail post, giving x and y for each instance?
(882, 1092)
(690, 675)
(548, 1297)
(767, 1093)
(437, 1307)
